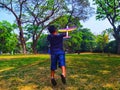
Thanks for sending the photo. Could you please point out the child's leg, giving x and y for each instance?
(63, 76)
(53, 65)
(63, 68)
(52, 74)
(61, 62)
(52, 78)
(53, 68)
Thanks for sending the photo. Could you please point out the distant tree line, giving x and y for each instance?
(82, 40)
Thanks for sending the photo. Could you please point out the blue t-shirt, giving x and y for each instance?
(56, 42)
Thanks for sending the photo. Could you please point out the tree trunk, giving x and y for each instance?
(117, 37)
(35, 40)
(22, 40)
(34, 45)
(118, 46)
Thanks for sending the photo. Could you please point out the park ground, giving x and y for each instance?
(84, 72)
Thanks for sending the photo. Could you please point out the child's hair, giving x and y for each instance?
(51, 28)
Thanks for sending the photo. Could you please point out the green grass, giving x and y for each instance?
(84, 72)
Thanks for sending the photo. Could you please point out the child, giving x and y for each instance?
(57, 53)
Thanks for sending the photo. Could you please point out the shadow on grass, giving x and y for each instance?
(84, 72)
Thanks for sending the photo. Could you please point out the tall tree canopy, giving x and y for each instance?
(41, 14)
(110, 9)
(38, 14)
(79, 9)
(16, 8)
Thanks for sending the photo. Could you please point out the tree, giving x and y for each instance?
(111, 47)
(7, 37)
(16, 8)
(41, 14)
(109, 31)
(88, 40)
(79, 9)
(63, 20)
(68, 44)
(73, 44)
(102, 41)
(81, 40)
(110, 9)
(28, 46)
(50, 11)
(42, 45)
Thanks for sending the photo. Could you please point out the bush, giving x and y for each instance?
(111, 47)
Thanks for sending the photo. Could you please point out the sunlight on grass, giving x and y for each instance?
(28, 87)
(47, 88)
(42, 68)
(73, 76)
(106, 66)
(16, 79)
(6, 69)
(108, 85)
(104, 71)
(71, 88)
(83, 80)
(84, 72)
(89, 76)
(9, 57)
(3, 85)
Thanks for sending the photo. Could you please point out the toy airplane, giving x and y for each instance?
(67, 30)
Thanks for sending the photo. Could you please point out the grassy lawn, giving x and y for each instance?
(84, 72)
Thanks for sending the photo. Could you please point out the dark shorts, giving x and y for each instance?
(58, 58)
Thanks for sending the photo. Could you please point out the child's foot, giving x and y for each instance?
(54, 83)
(63, 79)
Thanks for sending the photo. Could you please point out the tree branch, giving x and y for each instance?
(9, 9)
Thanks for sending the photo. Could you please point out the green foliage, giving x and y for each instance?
(73, 44)
(39, 13)
(48, 6)
(81, 40)
(88, 40)
(31, 30)
(42, 45)
(28, 46)
(111, 47)
(102, 40)
(108, 9)
(7, 37)
(63, 20)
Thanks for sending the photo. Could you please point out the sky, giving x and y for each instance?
(94, 25)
